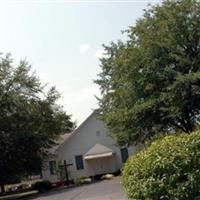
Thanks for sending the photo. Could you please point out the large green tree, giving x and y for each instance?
(150, 84)
(30, 120)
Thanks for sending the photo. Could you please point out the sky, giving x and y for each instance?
(62, 40)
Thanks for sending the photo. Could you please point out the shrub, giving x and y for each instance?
(82, 180)
(168, 169)
(14, 180)
(107, 177)
(42, 186)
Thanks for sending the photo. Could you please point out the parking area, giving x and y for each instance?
(102, 190)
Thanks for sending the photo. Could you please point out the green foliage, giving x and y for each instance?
(151, 83)
(42, 186)
(167, 169)
(30, 120)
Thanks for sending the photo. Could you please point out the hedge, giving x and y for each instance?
(168, 169)
(42, 185)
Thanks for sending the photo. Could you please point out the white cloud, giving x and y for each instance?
(84, 48)
(80, 103)
(43, 77)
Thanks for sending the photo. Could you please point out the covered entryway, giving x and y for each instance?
(100, 160)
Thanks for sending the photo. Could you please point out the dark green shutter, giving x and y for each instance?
(79, 162)
(52, 167)
(124, 154)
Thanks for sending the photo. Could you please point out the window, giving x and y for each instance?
(52, 167)
(79, 162)
(124, 154)
(98, 133)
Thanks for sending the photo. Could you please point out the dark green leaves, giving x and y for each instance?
(30, 120)
(150, 83)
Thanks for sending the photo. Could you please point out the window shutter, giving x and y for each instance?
(124, 154)
(79, 162)
(52, 167)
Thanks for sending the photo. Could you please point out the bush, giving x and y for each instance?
(42, 186)
(168, 169)
(107, 177)
(82, 180)
(14, 180)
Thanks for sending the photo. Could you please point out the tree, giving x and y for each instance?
(30, 120)
(150, 84)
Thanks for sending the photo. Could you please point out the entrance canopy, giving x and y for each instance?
(98, 151)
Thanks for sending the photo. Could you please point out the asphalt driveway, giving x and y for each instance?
(103, 190)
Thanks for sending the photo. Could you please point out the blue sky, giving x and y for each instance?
(63, 40)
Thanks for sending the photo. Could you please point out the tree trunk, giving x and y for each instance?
(2, 187)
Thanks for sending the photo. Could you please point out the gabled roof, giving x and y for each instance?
(98, 151)
(59, 142)
(63, 138)
(76, 130)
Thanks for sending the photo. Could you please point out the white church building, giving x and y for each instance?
(88, 151)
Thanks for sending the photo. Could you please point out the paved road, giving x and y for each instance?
(103, 190)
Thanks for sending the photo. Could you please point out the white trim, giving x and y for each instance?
(102, 155)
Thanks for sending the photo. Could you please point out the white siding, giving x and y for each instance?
(46, 173)
(91, 132)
